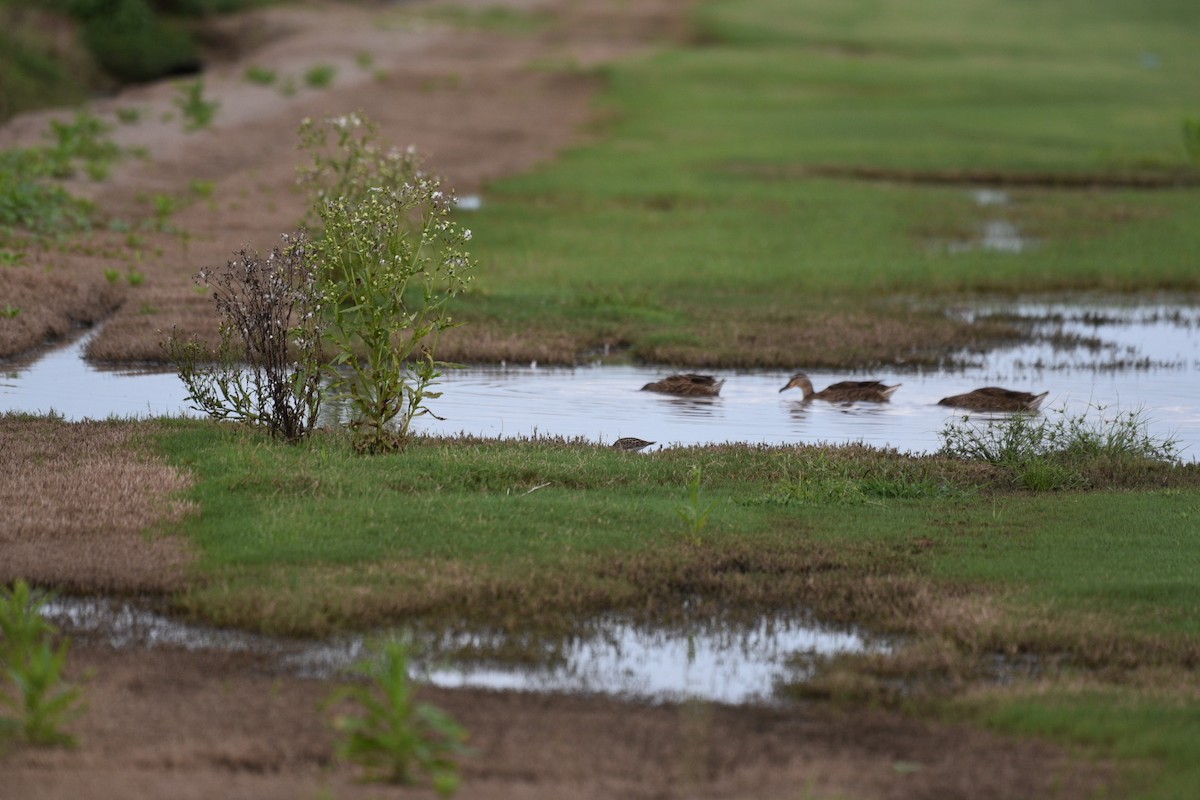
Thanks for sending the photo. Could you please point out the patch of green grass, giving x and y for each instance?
(30, 195)
(261, 75)
(1156, 734)
(319, 76)
(1093, 588)
(499, 509)
(198, 111)
(700, 190)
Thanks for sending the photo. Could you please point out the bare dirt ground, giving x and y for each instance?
(166, 724)
(185, 725)
(476, 104)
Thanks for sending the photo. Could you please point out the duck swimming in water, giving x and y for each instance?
(687, 385)
(843, 392)
(993, 398)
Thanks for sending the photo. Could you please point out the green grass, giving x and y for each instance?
(1098, 587)
(1154, 734)
(698, 195)
(551, 504)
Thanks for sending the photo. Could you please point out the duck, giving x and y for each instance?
(688, 385)
(993, 398)
(843, 392)
(631, 443)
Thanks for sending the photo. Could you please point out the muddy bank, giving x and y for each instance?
(164, 724)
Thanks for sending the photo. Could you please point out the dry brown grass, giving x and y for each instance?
(50, 305)
(78, 500)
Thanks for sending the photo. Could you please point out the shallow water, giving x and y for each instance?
(729, 664)
(1142, 358)
(1118, 358)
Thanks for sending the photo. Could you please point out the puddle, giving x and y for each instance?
(1119, 358)
(729, 664)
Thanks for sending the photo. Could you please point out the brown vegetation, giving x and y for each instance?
(78, 500)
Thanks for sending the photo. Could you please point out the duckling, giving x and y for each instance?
(688, 385)
(843, 392)
(993, 398)
(631, 443)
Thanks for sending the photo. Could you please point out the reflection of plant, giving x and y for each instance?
(197, 112)
(267, 369)
(395, 739)
(694, 513)
(39, 696)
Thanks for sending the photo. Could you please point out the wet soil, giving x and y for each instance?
(187, 725)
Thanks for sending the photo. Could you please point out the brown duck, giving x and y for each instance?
(843, 392)
(687, 385)
(993, 398)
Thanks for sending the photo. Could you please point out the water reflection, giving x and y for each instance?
(1120, 358)
(723, 663)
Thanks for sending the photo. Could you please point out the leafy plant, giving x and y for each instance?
(135, 277)
(35, 689)
(694, 513)
(267, 368)
(392, 260)
(347, 161)
(394, 738)
(197, 112)
(111, 275)
(1049, 454)
(129, 40)
(83, 139)
(129, 115)
(319, 76)
(261, 75)
(165, 205)
(202, 188)
(10, 311)
(28, 198)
